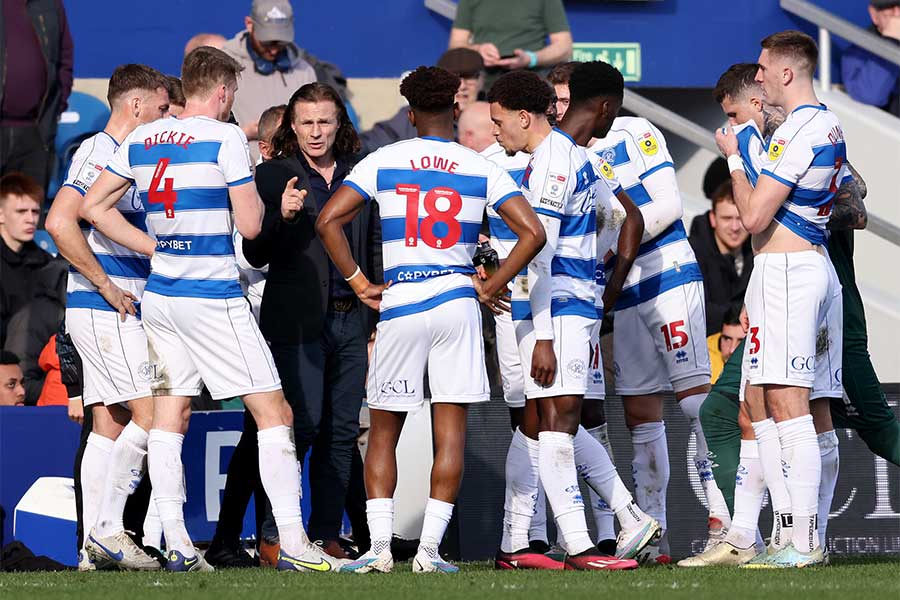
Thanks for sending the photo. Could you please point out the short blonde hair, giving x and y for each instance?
(205, 68)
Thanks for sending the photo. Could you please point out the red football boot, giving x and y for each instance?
(597, 561)
(526, 559)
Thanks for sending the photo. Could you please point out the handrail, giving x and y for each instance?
(843, 28)
(445, 8)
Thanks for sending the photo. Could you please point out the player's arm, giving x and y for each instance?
(99, 209)
(849, 210)
(666, 207)
(626, 250)
(340, 209)
(62, 224)
(522, 220)
(248, 209)
(756, 205)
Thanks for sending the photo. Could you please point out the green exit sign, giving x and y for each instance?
(626, 57)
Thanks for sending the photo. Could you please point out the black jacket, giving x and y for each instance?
(721, 283)
(296, 296)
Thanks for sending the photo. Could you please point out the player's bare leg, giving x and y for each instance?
(127, 465)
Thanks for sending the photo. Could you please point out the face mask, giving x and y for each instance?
(264, 67)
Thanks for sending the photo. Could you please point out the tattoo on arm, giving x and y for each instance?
(848, 211)
(863, 190)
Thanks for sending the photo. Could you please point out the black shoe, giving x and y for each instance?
(156, 555)
(607, 547)
(539, 546)
(229, 556)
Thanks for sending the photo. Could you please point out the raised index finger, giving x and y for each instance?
(290, 184)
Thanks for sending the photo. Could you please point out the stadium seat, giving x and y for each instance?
(45, 242)
(45, 519)
(85, 116)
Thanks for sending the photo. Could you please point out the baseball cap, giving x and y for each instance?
(882, 4)
(273, 20)
(462, 62)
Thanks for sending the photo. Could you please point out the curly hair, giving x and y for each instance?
(735, 81)
(430, 89)
(594, 79)
(346, 141)
(521, 90)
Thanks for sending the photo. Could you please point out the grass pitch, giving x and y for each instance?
(870, 578)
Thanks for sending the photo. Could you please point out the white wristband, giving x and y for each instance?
(735, 163)
(355, 273)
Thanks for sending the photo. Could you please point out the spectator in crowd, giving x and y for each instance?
(475, 128)
(53, 392)
(214, 40)
(273, 67)
(12, 381)
(559, 79)
(723, 344)
(869, 78)
(268, 124)
(531, 34)
(36, 61)
(32, 282)
(464, 62)
(176, 96)
(723, 251)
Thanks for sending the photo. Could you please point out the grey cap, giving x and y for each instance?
(273, 20)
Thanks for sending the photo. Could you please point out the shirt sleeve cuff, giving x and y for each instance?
(357, 189)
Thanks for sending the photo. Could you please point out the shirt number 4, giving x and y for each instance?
(166, 196)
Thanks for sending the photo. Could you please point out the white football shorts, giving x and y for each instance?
(211, 341)
(447, 340)
(572, 346)
(113, 355)
(795, 308)
(660, 345)
(511, 373)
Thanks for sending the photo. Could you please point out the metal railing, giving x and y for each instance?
(829, 24)
(702, 137)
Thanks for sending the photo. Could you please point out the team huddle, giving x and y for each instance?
(584, 213)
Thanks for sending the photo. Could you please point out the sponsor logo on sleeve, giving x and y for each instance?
(605, 169)
(648, 144)
(555, 186)
(88, 174)
(776, 148)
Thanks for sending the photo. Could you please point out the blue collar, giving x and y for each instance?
(567, 136)
(813, 106)
(434, 138)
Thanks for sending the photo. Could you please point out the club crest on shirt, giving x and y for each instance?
(648, 144)
(776, 147)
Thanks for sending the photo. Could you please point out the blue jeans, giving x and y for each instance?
(324, 382)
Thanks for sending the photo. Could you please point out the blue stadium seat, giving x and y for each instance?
(85, 116)
(45, 242)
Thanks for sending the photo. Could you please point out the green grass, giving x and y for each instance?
(871, 578)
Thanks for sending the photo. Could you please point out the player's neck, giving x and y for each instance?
(579, 125)
(538, 132)
(440, 130)
(120, 124)
(803, 96)
(196, 108)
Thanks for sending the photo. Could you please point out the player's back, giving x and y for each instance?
(636, 149)
(502, 237)
(808, 154)
(559, 182)
(431, 196)
(126, 268)
(183, 169)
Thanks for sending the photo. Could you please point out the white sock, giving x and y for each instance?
(718, 509)
(94, 466)
(380, 515)
(167, 478)
(749, 490)
(279, 472)
(773, 471)
(831, 461)
(437, 517)
(597, 470)
(650, 449)
(522, 492)
(538, 530)
(557, 468)
(152, 525)
(126, 469)
(603, 514)
(800, 454)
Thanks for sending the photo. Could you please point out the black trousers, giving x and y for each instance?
(22, 149)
